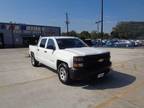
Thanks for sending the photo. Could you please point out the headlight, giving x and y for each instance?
(78, 62)
(78, 59)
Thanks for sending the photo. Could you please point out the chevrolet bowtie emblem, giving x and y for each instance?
(101, 60)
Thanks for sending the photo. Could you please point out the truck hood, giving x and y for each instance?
(86, 51)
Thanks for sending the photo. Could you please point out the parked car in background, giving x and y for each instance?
(138, 43)
(118, 43)
(110, 43)
(124, 43)
(97, 43)
(142, 42)
(89, 42)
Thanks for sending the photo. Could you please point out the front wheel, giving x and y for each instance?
(63, 73)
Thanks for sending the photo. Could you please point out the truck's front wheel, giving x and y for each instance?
(63, 73)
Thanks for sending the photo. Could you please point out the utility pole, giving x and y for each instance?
(102, 19)
(98, 23)
(67, 23)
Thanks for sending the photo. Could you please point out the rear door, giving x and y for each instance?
(41, 50)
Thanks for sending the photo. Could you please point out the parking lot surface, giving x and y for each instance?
(23, 86)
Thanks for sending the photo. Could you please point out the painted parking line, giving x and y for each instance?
(27, 82)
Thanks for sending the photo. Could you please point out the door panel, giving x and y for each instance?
(50, 59)
(40, 54)
(49, 55)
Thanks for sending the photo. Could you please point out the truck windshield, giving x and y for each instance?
(70, 43)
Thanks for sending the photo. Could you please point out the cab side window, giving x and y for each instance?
(50, 44)
(43, 42)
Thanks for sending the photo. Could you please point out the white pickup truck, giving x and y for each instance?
(71, 57)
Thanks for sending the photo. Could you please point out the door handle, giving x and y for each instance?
(45, 51)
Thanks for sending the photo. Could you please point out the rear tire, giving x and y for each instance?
(34, 62)
(63, 73)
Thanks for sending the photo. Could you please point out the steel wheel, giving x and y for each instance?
(63, 73)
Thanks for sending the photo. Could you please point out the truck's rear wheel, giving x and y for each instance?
(63, 73)
(34, 62)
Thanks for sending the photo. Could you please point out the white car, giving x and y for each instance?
(71, 57)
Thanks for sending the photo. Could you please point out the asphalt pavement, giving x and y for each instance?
(24, 86)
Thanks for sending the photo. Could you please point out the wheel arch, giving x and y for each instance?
(59, 62)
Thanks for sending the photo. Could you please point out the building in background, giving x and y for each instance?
(21, 35)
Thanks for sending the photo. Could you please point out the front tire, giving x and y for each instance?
(63, 73)
(34, 62)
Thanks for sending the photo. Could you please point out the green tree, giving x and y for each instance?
(85, 35)
(73, 33)
(106, 36)
(64, 34)
(128, 30)
(94, 35)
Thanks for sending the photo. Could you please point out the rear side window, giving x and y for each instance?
(43, 42)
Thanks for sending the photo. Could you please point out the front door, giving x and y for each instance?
(50, 54)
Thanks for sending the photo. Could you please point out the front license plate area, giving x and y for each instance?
(100, 75)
